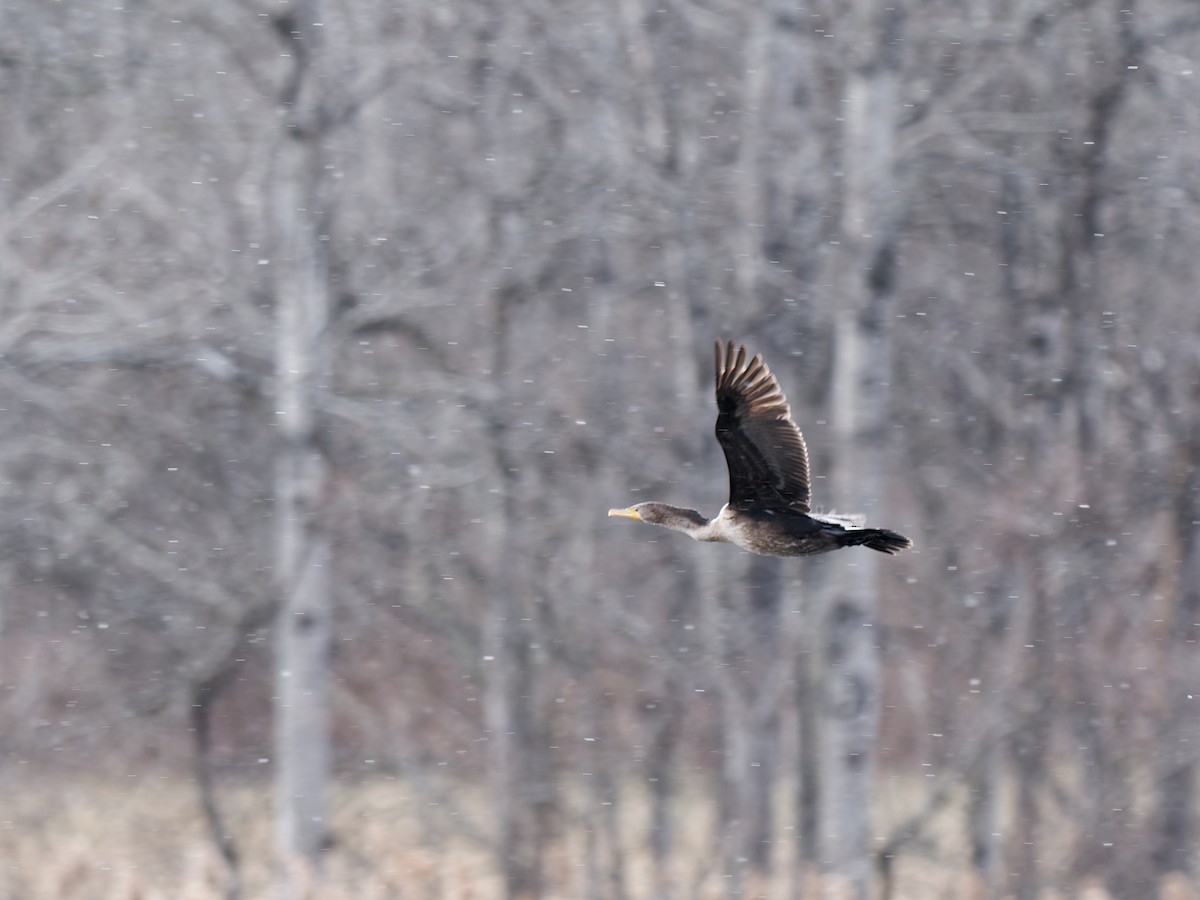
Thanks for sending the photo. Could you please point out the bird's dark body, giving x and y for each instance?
(786, 533)
(769, 508)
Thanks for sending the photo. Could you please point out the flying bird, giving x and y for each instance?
(769, 508)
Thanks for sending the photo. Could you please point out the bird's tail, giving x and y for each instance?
(876, 538)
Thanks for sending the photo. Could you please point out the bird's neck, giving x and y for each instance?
(689, 521)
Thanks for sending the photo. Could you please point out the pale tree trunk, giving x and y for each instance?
(753, 675)
(302, 542)
(520, 774)
(1106, 765)
(850, 695)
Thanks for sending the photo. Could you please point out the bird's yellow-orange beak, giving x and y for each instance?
(630, 513)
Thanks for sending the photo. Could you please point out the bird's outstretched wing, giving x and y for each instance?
(765, 451)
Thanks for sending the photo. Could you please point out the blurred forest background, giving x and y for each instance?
(332, 330)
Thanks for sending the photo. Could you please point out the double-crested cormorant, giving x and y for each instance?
(768, 509)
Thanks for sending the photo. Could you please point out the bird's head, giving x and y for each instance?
(632, 512)
(653, 513)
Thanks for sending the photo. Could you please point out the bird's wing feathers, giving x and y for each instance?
(765, 451)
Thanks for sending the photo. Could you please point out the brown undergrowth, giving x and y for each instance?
(142, 837)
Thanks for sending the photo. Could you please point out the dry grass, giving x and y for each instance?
(142, 838)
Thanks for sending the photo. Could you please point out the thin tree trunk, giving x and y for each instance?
(507, 667)
(516, 780)
(660, 769)
(1030, 747)
(849, 709)
(1174, 818)
(766, 600)
(607, 794)
(203, 695)
(731, 739)
(301, 542)
(808, 779)
(983, 810)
